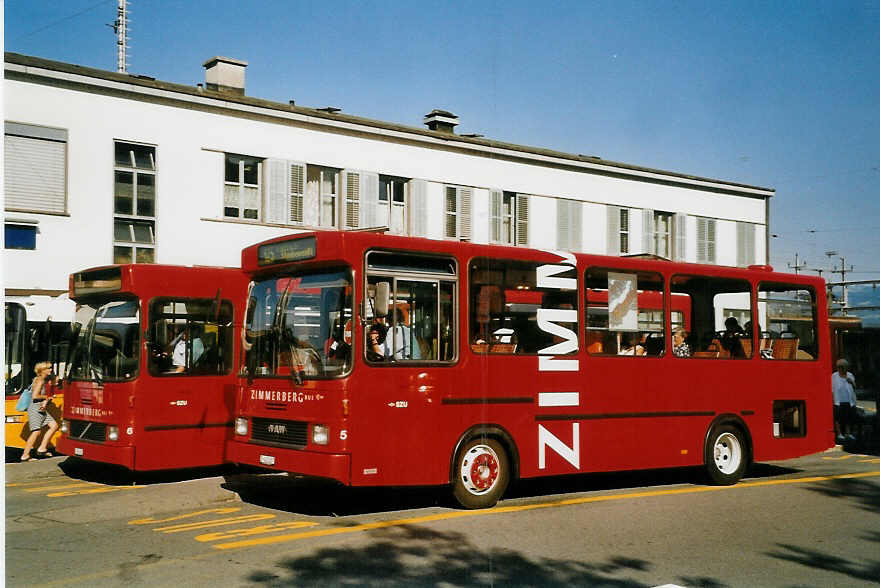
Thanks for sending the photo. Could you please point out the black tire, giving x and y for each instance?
(481, 473)
(727, 455)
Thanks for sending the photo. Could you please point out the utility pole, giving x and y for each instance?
(797, 267)
(120, 27)
(842, 271)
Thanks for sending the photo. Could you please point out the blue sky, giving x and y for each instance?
(775, 94)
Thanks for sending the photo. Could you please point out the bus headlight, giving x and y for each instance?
(320, 434)
(65, 427)
(241, 426)
(113, 433)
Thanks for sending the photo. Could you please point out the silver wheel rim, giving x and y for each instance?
(728, 453)
(480, 470)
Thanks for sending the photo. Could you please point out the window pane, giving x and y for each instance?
(146, 195)
(145, 255)
(122, 254)
(123, 154)
(791, 322)
(508, 307)
(190, 336)
(717, 316)
(251, 171)
(144, 157)
(124, 192)
(122, 230)
(384, 189)
(20, 237)
(399, 191)
(232, 169)
(624, 313)
(143, 232)
(230, 211)
(250, 213)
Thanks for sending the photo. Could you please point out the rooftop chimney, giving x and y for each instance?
(224, 74)
(441, 120)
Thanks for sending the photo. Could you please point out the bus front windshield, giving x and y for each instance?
(299, 324)
(15, 331)
(108, 344)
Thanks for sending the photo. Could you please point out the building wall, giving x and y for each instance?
(191, 144)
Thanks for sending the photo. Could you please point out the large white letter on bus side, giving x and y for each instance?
(547, 363)
(567, 256)
(545, 277)
(546, 316)
(570, 454)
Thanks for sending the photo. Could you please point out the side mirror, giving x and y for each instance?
(383, 291)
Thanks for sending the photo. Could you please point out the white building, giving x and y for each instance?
(102, 167)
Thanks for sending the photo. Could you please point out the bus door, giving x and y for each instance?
(410, 303)
(185, 405)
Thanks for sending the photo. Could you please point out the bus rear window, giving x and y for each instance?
(790, 313)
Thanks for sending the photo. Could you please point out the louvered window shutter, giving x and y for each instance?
(613, 227)
(418, 200)
(563, 228)
(575, 209)
(277, 191)
(495, 203)
(369, 199)
(464, 213)
(522, 219)
(34, 171)
(745, 244)
(352, 182)
(706, 240)
(297, 192)
(648, 231)
(680, 250)
(450, 230)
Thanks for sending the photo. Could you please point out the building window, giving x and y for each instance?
(241, 194)
(457, 213)
(322, 186)
(134, 203)
(35, 168)
(705, 240)
(663, 234)
(391, 211)
(20, 236)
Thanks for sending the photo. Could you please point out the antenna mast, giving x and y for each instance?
(120, 27)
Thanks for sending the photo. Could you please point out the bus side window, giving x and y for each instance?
(718, 319)
(624, 313)
(790, 313)
(192, 336)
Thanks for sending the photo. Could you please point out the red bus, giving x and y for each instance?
(150, 382)
(482, 365)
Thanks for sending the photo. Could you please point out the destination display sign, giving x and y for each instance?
(287, 251)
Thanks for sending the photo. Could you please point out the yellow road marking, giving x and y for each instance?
(215, 523)
(254, 530)
(525, 507)
(873, 460)
(99, 490)
(841, 458)
(184, 516)
(60, 487)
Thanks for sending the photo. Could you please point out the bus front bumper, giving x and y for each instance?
(122, 456)
(336, 466)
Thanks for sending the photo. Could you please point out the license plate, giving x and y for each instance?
(268, 460)
(77, 451)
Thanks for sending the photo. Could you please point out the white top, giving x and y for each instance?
(843, 389)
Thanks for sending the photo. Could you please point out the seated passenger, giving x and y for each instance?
(680, 347)
(375, 342)
(730, 338)
(629, 347)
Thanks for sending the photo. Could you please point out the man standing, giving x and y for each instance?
(843, 390)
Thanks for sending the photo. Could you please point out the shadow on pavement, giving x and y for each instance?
(113, 475)
(417, 556)
(318, 497)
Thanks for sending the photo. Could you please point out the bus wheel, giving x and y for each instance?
(481, 473)
(726, 455)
